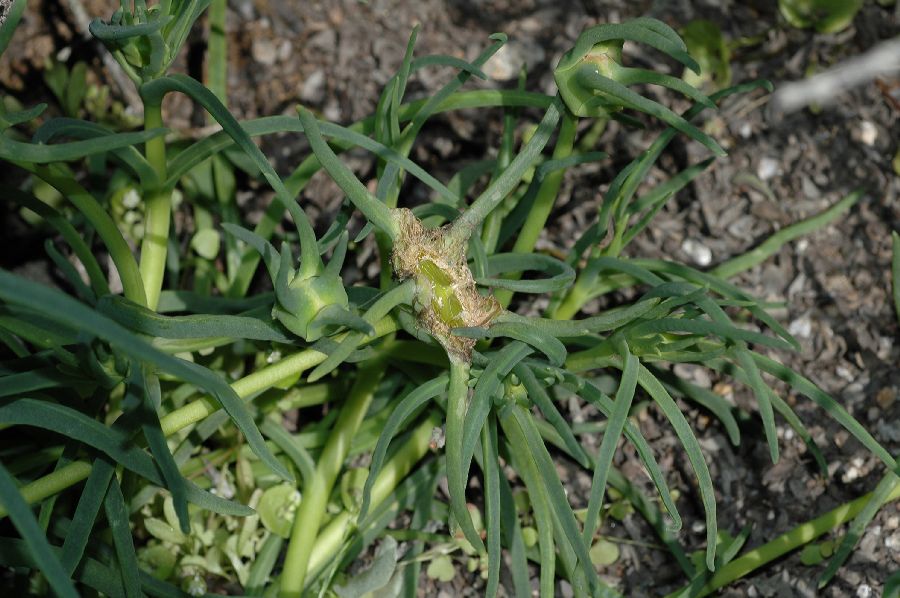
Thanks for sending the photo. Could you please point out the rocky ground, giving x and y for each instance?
(834, 284)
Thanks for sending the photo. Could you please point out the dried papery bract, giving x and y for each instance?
(446, 295)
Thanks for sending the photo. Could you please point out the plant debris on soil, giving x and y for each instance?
(834, 285)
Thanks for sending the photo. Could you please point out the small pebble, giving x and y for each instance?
(845, 373)
(313, 89)
(868, 133)
(700, 253)
(886, 397)
(768, 167)
(853, 471)
(509, 60)
(864, 591)
(263, 51)
(801, 327)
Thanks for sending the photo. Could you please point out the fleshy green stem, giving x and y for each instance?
(457, 405)
(771, 245)
(158, 211)
(466, 224)
(193, 412)
(315, 495)
(394, 471)
(100, 220)
(546, 197)
(797, 537)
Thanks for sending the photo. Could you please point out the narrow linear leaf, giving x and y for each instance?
(512, 534)
(290, 447)
(263, 564)
(858, 526)
(606, 406)
(704, 327)
(77, 426)
(24, 521)
(146, 321)
(407, 407)
(93, 574)
(771, 245)
(89, 504)
(695, 455)
(762, 392)
(34, 153)
(517, 330)
(611, 435)
(144, 389)
(826, 402)
(68, 311)
(491, 468)
(457, 474)
(707, 399)
(486, 389)
(719, 286)
(117, 515)
(541, 399)
(562, 274)
(82, 129)
(620, 93)
(562, 511)
(156, 89)
(375, 211)
(525, 465)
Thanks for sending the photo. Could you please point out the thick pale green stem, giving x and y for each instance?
(315, 495)
(546, 197)
(783, 544)
(193, 412)
(771, 245)
(106, 229)
(394, 471)
(158, 212)
(466, 224)
(53, 483)
(572, 303)
(457, 405)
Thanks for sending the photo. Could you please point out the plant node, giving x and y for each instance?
(446, 295)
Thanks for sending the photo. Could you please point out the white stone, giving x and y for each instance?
(850, 475)
(768, 167)
(864, 591)
(868, 133)
(801, 327)
(700, 253)
(264, 51)
(509, 60)
(313, 89)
